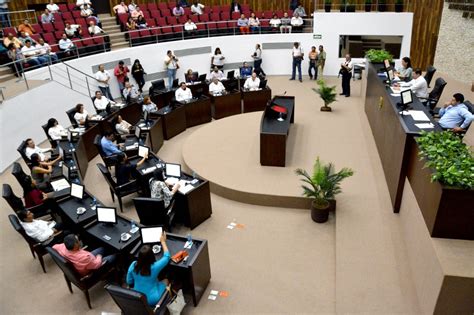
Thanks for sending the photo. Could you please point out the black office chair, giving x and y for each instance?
(109, 160)
(430, 71)
(175, 83)
(17, 205)
(152, 211)
(84, 283)
(132, 302)
(119, 191)
(53, 143)
(434, 95)
(21, 149)
(38, 248)
(20, 175)
(70, 114)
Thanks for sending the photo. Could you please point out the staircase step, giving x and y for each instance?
(7, 77)
(5, 70)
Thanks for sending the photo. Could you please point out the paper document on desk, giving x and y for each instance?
(418, 115)
(425, 126)
(60, 184)
(184, 189)
(398, 91)
(172, 180)
(131, 147)
(148, 170)
(120, 105)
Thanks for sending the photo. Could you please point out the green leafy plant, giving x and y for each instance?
(327, 93)
(324, 183)
(378, 55)
(327, 1)
(451, 160)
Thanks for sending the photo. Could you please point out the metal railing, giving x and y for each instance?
(373, 6)
(15, 18)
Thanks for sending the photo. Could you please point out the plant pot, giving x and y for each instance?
(327, 7)
(368, 7)
(319, 213)
(382, 7)
(326, 108)
(399, 7)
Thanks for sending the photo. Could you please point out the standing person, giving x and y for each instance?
(171, 65)
(120, 72)
(321, 59)
(346, 72)
(103, 77)
(143, 273)
(217, 60)
(313, 59)
(257, 60)
(293, 4)
(138, 73)
(235, 7)
(297, 55)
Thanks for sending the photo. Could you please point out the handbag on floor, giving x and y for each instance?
(177, 303)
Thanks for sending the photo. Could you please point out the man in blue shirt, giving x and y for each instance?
(245, 71)
(455, 115)
(108, 146)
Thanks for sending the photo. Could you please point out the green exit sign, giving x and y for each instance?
(317, 36)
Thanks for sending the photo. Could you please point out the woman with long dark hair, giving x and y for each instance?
(405, 72)
(138, 74)
(41, 171)
(55, 130)
(143, 273)
(159, 188)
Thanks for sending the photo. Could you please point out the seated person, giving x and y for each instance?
(285, 23)
(141, 22)
(122, 126)
(39, 230)
(183, 94)
(126, 171)
(24, 37)
(131, 24)
(243, 24)
(66, 45)
(148, 105)
(47, 17)
(41, 170)
(88, 12)
(81, 116)
(94, 29)
(216, 73)
(190, 76)
(108, 146)
(45, 51)
(55, 130)
(190, 27)
(120, 8)
(254, 22)
(132, 7)
(33, 55)
(14, 54)
(300, 11)
(143, 273)
(31, 149)
(197, 8)
(245, 71)
(297, 22)
(216, 87)
(81, 3)
(10, 39)
(178, 10)
(131, 93)
(73, 30)
(159, 188)
(83, 261)
(455, 115)
(26, 27)
(418, 85)
(252, 83)
(183, 3)
(275, 22)
(32, 194)
(101, 102)
(405, 72)
(136, 13)
(52, 7)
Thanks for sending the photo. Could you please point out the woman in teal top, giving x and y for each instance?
(143, 273)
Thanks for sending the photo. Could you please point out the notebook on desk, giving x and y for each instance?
(60, 184)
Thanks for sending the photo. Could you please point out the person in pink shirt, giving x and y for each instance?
(84, 261)
(121, 71)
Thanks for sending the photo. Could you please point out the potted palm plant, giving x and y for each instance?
(322, 186)
(327, 94)
(327, 5)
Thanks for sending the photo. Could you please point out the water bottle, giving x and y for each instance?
(133, 226)
(194, 175)
(190, 238)
(93, 203)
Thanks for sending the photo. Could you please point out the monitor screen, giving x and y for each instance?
(77, 190)
(61, 152)
(172, 170)
(151, 234)
(263, 84)
(406, 97)
(390, 75)
(65, 171)
(137, 132)
(202, 77)
(106, 215)
(69, 136)
(386, 63)
(143, 151)
(231, 74)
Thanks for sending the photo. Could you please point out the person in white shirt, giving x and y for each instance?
(418, 84)
(87, 12)
(298, 55)
(94, 29)
(216, 87)
(31, 149)
(252, 83)
(81, 115)
(346, 71)
(197, 8)
(148, 105)
(275, 22)
(300, 11)
(39, 230)
(66, 45)
(122, 126)
(216, 74)
(183, 94)
(55, 130)
(32, 54)
(120, 8)
(296, 22)
(132, 7)
(52, 7)
(190, 27)
(101, 102)
(103, 77)
(81, 3)
(218, 59)
(171, 65)
(131, 93)
(45, 50)
(72, 30)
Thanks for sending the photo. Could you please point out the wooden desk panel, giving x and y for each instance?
(198, 112)
(226, 105)
(196, 204)
(256, 100)
(174, 122)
